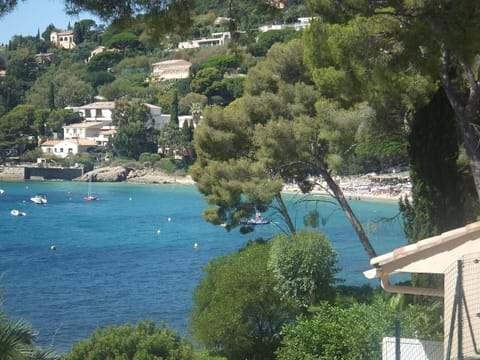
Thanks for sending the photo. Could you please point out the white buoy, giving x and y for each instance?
(169, 219)
(53, 248)
(195, 245)
(130, 198)
(158, 231)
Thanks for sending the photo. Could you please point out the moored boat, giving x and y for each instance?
(257, 220)
(16, 212)
(91, 198)
(39, 199)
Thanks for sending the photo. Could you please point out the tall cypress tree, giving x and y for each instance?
(174, 110)
(433, 152)
(51, 96)
(437, 191)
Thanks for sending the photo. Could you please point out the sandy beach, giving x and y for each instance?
(370, 187)
(366, 187)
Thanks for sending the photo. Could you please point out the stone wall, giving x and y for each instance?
(19, 173)
(12, 173)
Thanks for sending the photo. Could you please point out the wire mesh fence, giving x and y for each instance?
(462, 309)
(411, 349)
(461, 321)
(398, 348)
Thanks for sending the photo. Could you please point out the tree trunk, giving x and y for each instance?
(285, 213)
(338, 194)
(466, 113)
(471, 143)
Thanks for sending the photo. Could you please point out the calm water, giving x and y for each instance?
(131, 255)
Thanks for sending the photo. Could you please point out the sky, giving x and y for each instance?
(32, 15)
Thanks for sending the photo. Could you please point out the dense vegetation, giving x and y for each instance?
(367, 87)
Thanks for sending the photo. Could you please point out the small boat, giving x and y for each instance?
(2, 191)
(91, 198)
(257, 220)
(16, 212)
(39, 199)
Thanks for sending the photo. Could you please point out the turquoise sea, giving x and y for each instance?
(132, 255)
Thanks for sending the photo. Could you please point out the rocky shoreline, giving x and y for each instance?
(361, 187)
(141, 175)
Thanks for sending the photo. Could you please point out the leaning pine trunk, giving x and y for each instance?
(338, 194)
(285, 214)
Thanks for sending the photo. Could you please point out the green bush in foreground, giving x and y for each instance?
(305, 267)
(144, 341)
(335, 333)
(237, 313)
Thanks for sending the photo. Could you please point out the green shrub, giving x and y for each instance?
(149, 157)
(144, 341)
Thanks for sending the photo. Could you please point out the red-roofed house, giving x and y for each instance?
(63, 148)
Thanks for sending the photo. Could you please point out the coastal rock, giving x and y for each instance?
(134, 175)
(157, 177)
(105, 174)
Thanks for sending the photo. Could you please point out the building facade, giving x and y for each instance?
(62, 39)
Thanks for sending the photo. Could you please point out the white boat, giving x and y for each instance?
(257, 220)
(16, 212)
(39, 199)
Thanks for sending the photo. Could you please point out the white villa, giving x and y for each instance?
(171, 70)
(62, 39)
(63, 148)
(97, 111)
(302, 23)
(92, 130)
(95, 130)
(217, 39)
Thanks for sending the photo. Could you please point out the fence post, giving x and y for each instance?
(459, 290)
(397, 340)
